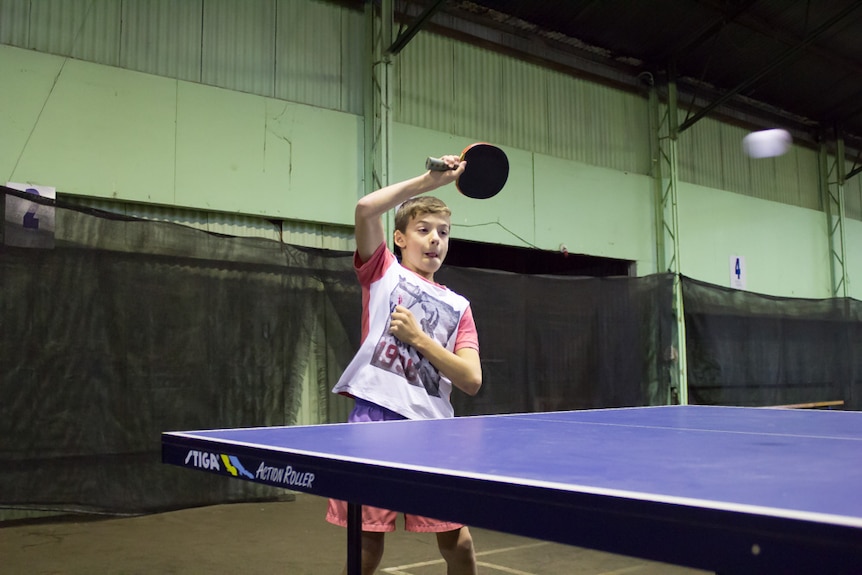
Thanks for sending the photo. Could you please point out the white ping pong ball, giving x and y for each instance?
(766, 143)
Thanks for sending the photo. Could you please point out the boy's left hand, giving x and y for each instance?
(403, 325)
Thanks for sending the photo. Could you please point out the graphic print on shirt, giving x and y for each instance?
(437, 319)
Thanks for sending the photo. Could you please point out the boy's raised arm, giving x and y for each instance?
(370, 209)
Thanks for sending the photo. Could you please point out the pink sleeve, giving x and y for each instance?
(372, 270)
(369, 272)
(467, 335)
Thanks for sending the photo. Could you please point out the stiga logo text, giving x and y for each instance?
(214, 462)
(203, 460)
(286, 476)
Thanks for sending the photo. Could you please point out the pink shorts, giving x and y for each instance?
(375, 518)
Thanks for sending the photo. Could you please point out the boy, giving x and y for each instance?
(418, 340)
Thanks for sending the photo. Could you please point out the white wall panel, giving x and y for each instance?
(785, 247)
(102, 132)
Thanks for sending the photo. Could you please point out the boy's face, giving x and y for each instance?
(424, 243)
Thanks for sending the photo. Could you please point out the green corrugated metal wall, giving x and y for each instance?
(310, 51)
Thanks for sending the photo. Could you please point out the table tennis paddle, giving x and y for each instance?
(485, 174)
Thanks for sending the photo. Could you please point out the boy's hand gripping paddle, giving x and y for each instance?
(485, 174)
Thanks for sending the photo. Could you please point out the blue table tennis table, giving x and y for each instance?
(726, 489)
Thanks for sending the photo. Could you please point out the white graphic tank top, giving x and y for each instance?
(387, 371)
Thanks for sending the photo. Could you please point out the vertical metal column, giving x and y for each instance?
(832, 183)
(379, 19)
(664, 125)
(655, 124)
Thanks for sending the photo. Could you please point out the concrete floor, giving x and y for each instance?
(289, 537)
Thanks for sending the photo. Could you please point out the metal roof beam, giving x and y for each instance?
(406, 35)
(759, 25)
(707, 32)
(839, 112)
(777, 63)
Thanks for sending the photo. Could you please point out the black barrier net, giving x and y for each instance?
(749, 349)
(551, 343)
(128, 328)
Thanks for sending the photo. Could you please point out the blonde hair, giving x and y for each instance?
(419, 206)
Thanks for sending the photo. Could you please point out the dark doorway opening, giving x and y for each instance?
(533, 261)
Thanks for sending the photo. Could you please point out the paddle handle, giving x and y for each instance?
(437, 165)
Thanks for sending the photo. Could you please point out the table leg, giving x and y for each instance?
(354, 538)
